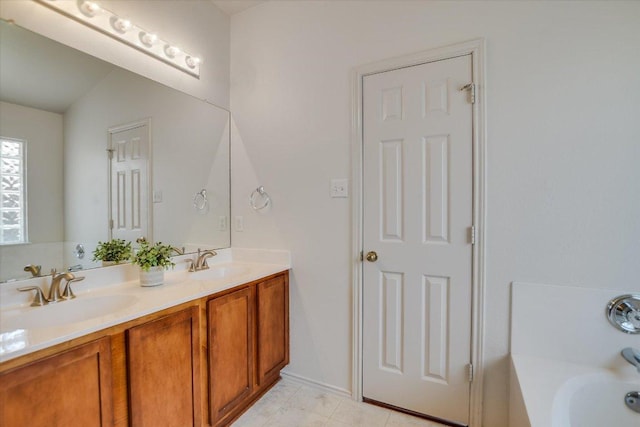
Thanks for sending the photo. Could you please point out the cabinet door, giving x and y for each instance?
(231, 358)
(72, 388)
(164, 371)
(273, 327)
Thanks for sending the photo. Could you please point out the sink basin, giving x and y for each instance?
(215, 273)
(64, 312)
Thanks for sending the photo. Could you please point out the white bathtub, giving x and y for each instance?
(549, 393)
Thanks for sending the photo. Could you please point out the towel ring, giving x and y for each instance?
(200, 201)
(257, 194)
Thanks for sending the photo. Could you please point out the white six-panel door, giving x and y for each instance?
(129, 182)
(417, 215)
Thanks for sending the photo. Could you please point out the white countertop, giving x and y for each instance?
(25, 329)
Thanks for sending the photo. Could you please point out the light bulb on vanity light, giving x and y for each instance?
(122, 25)
(192, 61)
(148, 39)
(171, 51)
(89, 8)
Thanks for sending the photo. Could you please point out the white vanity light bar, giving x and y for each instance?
(93, 15)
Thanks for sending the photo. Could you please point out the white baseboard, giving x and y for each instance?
(316, 384)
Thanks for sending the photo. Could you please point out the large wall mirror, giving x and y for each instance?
(92, 151)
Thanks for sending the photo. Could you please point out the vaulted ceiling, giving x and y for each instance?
(231, 7)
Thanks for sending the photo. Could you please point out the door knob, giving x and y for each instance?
(371, 256)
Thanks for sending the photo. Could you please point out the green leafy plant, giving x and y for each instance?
(157, 255)
(116, 250)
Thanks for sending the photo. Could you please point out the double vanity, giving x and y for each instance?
(197, 350)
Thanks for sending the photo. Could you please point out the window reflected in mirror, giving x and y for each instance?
(13, 209)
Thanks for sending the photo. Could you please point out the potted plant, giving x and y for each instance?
(112, 252)
(153, 260)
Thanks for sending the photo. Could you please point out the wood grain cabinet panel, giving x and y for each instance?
(147, 372)
(231, 332)
(164, 371)
(248, 345)
(71, 388)
(272, 327)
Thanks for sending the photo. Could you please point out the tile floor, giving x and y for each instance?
(289, 404)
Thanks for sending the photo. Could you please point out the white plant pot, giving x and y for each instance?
(153, 277)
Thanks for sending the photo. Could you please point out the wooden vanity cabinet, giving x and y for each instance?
(163, 362)
(248, 345)
(71, 388)
(155, 370)
(231, 346)
(272, 306)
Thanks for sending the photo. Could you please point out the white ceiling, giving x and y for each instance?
(231, 7)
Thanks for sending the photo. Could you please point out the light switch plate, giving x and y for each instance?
(222, 223)
(239, 223)
(340, 187)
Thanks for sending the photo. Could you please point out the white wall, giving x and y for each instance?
(196, 25)
(44, 135)
(562, 173)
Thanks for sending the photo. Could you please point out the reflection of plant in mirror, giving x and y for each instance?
(157, 255)
(116, 250)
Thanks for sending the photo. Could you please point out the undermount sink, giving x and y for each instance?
(65, 312)
(214, 273)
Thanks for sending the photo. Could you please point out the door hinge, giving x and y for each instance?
(110, 224)
(472, 234)
(471, 87)
(361, 256)
(470, 372)
(110, 153)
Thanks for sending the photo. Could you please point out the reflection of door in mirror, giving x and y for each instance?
(129, 182)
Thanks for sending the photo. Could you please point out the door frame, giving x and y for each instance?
(120, 128)
(476, 48)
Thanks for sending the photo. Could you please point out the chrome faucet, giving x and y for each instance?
(632, 355)
(201, 261)
(56, 279)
